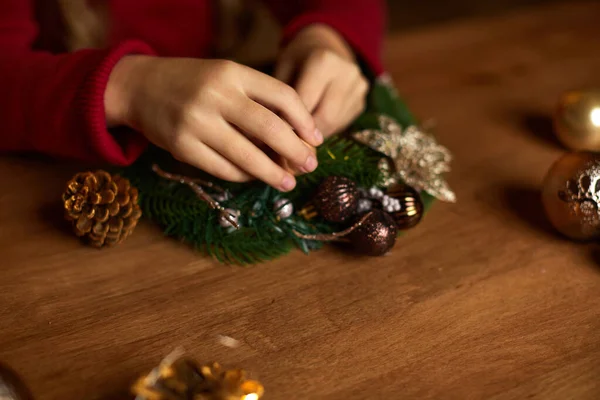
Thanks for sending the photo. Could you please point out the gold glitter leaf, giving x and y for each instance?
(418, 160)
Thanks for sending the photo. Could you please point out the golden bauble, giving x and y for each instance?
(577, 120)
(571, 195)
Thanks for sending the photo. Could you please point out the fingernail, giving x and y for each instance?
(288, 183)
(318, 136)
(311, 164)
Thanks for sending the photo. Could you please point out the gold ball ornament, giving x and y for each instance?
(577, 120)
(571, 195)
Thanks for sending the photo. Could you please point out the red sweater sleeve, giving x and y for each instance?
(54, 104)
(360, 22)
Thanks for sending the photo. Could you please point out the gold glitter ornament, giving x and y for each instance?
(180, 378)
(577, 120)
(571, 195)
(376, 235)
(419, 161)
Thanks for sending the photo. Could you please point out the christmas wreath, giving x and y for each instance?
(373, 182)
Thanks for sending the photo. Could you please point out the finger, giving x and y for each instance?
(272, 131)
(199, 155)
(278, 96)
(284, 70)
(312, 85)
(350, 114)
(361, 90)
(238, 149)
(315, 80)
(356, 101)
(331, 107)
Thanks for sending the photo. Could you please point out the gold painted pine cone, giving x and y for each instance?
(103, 209)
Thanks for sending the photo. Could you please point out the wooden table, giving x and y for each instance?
(482, 301)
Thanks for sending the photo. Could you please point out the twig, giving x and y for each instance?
(336, 236)
(194, 184)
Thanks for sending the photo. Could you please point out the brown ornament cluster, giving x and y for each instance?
(184, 379)
(373, 232)
(102, 208)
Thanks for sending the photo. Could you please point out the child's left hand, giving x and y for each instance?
(321, 67)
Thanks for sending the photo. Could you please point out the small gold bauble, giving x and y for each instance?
(571, 193)
(577, 120)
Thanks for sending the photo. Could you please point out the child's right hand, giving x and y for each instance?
(210, 114)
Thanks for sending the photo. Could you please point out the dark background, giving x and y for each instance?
(408, 14)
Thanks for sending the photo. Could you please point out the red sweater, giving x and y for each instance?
(53, 103)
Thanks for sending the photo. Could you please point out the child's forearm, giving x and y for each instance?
(54, 104)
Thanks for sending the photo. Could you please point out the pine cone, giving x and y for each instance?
(103, 209)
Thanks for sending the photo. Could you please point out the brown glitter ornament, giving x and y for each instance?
(571, 195)
(376, 235)
(11, 386)
(179, 378)
(102, 208)
(336, 199)
(577, 120)
(411, 206)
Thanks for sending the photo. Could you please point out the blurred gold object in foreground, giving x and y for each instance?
(179, 378)
(11, 385)
(577, 120)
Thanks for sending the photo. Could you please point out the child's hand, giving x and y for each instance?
(214, 115)
(326, 76)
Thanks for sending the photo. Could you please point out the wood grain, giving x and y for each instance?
(481, 301)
